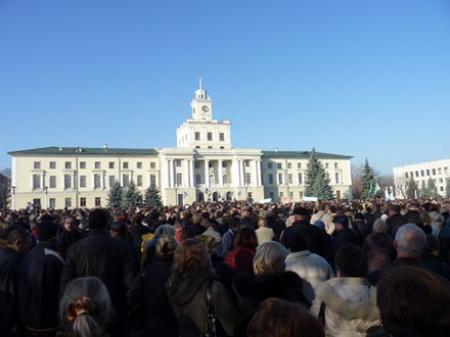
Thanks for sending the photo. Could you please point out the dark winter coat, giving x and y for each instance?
(251, 290)
(40, 275)
(344, 237)
(380, 251)
(136, 233)
(150, 303)
(66, 239)
(9, 290)
(394, 222)
(113, 262)
(187, 295)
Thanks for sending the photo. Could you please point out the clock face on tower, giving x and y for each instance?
(205, 108)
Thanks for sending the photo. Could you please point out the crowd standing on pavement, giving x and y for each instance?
(310, 269)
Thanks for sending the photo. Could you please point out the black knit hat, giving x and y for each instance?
(46, 230)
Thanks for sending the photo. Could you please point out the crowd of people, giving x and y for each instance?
(372, 268)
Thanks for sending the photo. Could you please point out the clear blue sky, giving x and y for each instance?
(365, 78)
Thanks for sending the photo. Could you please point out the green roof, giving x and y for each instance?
(97, 151)
(302, 155)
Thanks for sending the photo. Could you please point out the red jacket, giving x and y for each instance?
(241, 259)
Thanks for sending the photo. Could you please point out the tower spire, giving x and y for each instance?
(200, 83)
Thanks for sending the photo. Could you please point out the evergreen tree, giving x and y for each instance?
(131, 197)
(447, 188)
(429, 190)
(368, 182)
(411, 189)
(423, 190)
(152, 197)
(115, 195)
(432, 188)
(317, 179)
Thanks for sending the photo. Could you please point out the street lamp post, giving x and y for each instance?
(46, 197)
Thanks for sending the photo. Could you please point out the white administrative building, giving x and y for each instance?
(438, 170)
(203, 166)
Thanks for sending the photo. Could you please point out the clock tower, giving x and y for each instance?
(201, 104)
(202, 131)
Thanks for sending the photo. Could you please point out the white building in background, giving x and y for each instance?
(437, 170)
(203, 166)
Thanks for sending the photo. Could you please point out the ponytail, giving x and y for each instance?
(79, 315)
(86, 326)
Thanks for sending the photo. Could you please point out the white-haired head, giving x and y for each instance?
(269, 258)
(410, 241)
(379, 226)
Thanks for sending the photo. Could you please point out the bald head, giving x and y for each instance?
(410, 241)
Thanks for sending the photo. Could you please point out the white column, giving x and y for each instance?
(170, 173)
(241, 173)
(206, 168)
(191, 173)
(185, 173)
(258, 172)
(234, 172)
(220, 173)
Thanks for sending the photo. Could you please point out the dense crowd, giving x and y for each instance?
(228, 269)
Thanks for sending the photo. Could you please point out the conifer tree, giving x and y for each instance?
(432, 188)
(115, 195)
(131, 197)
(317, 179)
(368, 182)
(152, 197)
(447, 188)
(411, 189)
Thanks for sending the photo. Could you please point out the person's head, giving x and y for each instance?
(350, 261)
(341, 222)
(262, 222)
(301, 214)
(414, 302)
(279, 318)
(16, 239)
(245, 212)
(270, 258)
(165, 247)
(86, 306)
(46, 229)
(246, 238)
(234, 223)
(191, 256)
(118, 230)
(296, 242)
(393, 209)
(410, 241)
(99, 219)
(379, 226)
(70, 224)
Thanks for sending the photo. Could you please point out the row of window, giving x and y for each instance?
(209, 136)
(97, 165)
(301, 194)
(68, 181)
(300, 179)
(67, 202)
(428, 172)
(299, 165)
